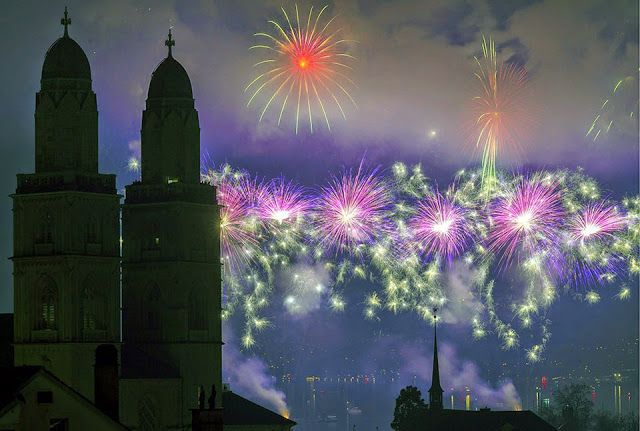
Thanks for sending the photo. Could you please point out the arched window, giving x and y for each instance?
(93, 307)
(48, 305)
(147, 418)
(46, 225)
(197, 319)
(151, 308)
(92, 230)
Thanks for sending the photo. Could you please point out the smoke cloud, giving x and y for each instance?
(456, 375)
(248, 376)
(305, 287)
(463, 301)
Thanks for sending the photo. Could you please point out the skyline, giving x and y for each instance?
(399, 108)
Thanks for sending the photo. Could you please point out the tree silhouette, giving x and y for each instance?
(606, 421)
(571, 408)
(410, 408)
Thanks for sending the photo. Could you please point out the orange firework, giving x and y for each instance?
(306, 62)
(499, 108)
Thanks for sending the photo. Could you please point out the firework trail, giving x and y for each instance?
(306, 64)
(619, 112)
(501, 116)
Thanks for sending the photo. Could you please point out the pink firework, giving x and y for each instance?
(596, 222)
(526, 220)
(237, 198)
(282, 202)
(351, 211)
(439, 228)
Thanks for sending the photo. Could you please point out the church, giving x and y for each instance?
(118, 318)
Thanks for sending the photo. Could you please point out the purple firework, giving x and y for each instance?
(587, 261)
(596, 222)
(351, 210)
(282, 202)
(527, 220)
(439, 228)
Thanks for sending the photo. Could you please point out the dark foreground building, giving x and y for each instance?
(71, 366)
(436, 418)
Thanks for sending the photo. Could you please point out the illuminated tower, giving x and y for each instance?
(171, 273)
(435, 392)
(66, 251)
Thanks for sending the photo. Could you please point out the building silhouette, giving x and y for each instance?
(67, 269)
(437, 418)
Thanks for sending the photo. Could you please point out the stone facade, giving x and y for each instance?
(171, 273)
(66, 255)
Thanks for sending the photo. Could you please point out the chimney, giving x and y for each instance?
(106, 380)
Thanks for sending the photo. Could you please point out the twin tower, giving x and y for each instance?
(146, 305)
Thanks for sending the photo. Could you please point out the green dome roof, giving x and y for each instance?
(65, 59)
(170, 80)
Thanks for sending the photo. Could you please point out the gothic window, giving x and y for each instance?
(48, 302)
(147, 415)
(197, 306)
(46, 224)
(92, 230)
(151, 308)
(93, 309)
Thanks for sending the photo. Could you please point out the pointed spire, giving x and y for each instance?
(65, 22)
(169, 42)
(435, 392)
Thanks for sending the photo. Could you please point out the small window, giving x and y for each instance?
(45, 397)
(93, 308)
(48, 302)
(147, 415)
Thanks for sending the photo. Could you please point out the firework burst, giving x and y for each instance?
(596, 222)
(237, 195)
(306, 62)
(283, 202)
(396, 231)
(527, 220)
(351, 211)
(499, 108)
(439, 228)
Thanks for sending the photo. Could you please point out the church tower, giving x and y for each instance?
(435, 391)
(171, 256)
(66, 250)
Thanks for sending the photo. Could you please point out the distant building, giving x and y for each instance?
(437, 418)
(67, 267)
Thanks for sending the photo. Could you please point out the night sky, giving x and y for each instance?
(414, 73)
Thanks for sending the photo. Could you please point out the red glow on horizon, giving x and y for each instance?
(544, 382)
